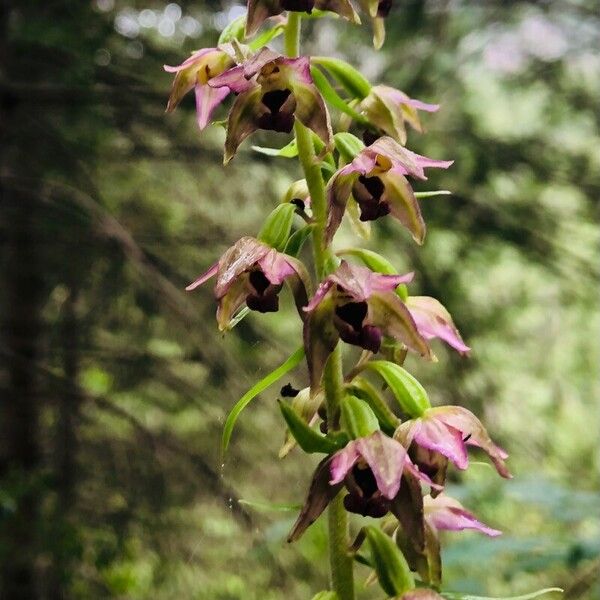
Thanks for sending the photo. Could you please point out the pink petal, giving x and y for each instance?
(189, 61)
(301, 68)
(232, 78)
(434, 321)
(342, 462)
(321, 292)
(469, 425)
(436, 435)
(203, 278)
(415, 472)
(448, 514)
(276, 267)
(207, 99)
(258, 61)
(386, 458)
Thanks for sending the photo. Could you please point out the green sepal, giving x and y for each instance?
(537, 594)
(376, 263)
(348, 145)
(288, 151)
(277, 226)
(352, 80)
(332, 97)
(389, 563)
(364, 390)
(233, 31)
(264, 38)
(357, 418)
(259, 387)
(308, 439)
(409, 393)
(297, 239)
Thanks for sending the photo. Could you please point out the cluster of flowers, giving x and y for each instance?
(380, 460)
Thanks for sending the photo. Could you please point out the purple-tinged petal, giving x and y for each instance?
(343, 8)
(246, 252)
(203, 278)
(421, 594)
(207, 99)
(321, 292)
(414, 471)
(195, 57)
(473, 431)
(233, 79)
(260, 60)
(390, 314)
(320, 494)
(276, 266)
(386, 457)
(434, 321)
(399, 196)
(435, 435)
(448, 514)
(407, 507)
(243, 119)
(343, 461)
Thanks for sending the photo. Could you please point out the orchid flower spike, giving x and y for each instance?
(260, 10)
(448, 430)
(273, 91)
(195, 73)
(377, 180)
(389, 109)
(360, 307)
(372, 469)
(253, 273)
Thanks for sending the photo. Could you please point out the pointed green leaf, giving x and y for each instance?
(297, 239)
(233, 31)
(389, 563)
(352, 80)
(332, 97)
(293, 361)
(537, 594)
(277, 226)
(366, 391)
(264, 38)
(347, 145)
(357, 418)
(411, 395)
(308, 439)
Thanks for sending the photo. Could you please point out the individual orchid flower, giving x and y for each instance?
(376, 178)
(273, 91)
(388, 109)
(195, 73)
(448, 430)
(260, 10)
(360, 307)
(434, 321)
(372, 468)
(445, 513)
(253, 273)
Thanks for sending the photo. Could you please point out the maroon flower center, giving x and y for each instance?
(349, 320)
(384, 7)
(298, 5)
(263, 295)
(364, 497)
(281, 105)
(367, 191)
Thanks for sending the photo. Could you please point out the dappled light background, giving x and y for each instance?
(115, 382)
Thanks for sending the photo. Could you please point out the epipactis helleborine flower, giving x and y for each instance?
(449, 430)
(360, 307)
(195, 73)
(448, 514)
(272, 91)
(259, 10)
(388, 109)
(376, 178)
(253, 273)
(372, 468)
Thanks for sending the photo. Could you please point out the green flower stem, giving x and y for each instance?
(341, 566)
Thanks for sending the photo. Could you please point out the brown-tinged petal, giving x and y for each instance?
(259, 11)
(407, 507)
(320, 494)
(207, 99)
(449, 514)
(243, 119)
(343, 8)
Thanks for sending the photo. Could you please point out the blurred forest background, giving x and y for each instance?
(115, 382)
